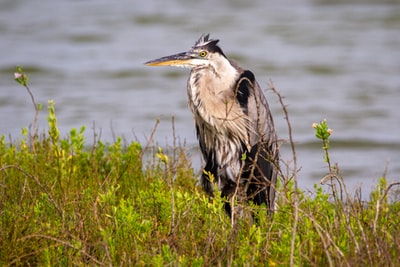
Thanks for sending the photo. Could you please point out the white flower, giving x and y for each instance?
(17, 75)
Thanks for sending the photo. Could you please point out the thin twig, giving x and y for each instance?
(172, 176)
(36, 110)
(150, 140)
(64, 243)
(388, 189)
(295, 196)
(37, 182)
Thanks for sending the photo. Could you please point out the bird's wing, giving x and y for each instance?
(254, 104)
(261, 135)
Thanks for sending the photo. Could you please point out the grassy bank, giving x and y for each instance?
(66, 203)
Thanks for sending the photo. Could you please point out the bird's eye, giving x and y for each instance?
(203, 53)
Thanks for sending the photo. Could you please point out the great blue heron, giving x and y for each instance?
(234, 125)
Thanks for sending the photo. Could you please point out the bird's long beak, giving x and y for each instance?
(181, 60)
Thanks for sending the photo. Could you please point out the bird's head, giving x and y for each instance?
(204, 53)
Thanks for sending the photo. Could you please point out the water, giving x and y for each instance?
(334, 61)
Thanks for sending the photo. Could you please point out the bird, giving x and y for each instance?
(233, 122)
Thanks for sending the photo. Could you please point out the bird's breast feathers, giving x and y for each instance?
(217, 111)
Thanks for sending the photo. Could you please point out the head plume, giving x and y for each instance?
(205, 40)
(209, 44)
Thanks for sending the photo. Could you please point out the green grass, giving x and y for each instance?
(66, 203)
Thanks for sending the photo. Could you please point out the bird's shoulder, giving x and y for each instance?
(244, 88)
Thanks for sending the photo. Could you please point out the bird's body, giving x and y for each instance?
(233, 122)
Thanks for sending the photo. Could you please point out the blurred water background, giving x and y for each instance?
(337, 60)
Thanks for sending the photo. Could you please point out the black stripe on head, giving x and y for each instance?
(214, 48)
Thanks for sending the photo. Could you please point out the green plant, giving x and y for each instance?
(66, 203)
(323, 132)
(22, 78)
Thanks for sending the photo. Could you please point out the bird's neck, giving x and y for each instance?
(212, 84)
(213, 102)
